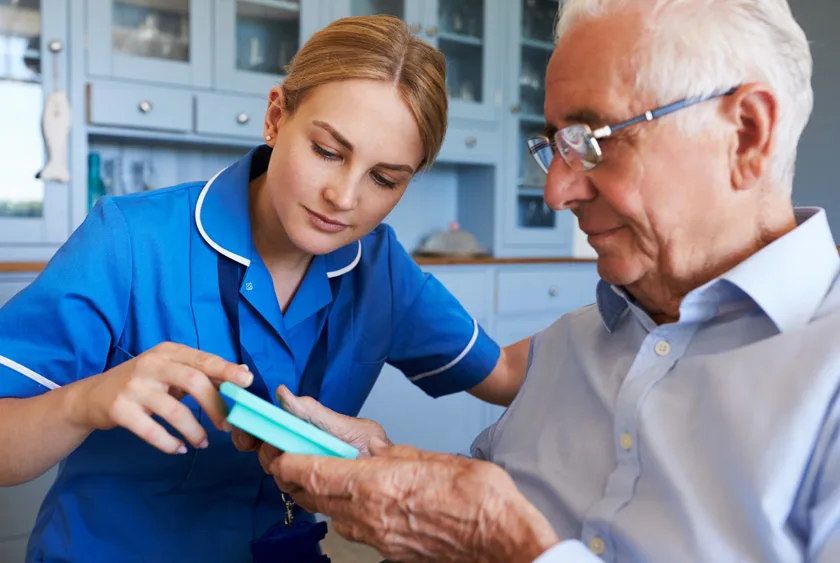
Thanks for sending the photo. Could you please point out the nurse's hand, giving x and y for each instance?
(358, 432)
(153, 383)
(413, 505)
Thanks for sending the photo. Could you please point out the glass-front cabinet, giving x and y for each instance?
(33, 150)
(166, 41)
(462, 30)
(529, 221)
(256, 39)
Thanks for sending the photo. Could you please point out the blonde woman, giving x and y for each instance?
(277, 271)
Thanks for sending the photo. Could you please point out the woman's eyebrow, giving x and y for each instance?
(336, 135)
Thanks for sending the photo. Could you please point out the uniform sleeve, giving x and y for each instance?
(62, 326)
(435, 343)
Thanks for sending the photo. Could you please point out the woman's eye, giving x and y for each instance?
(382, 181)
(324, 153)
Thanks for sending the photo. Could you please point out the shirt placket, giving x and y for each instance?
(658, 353)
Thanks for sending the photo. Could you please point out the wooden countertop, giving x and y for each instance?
(29, 267)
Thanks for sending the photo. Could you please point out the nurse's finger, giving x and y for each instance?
(198, 385)
(178, 415)
(214, 367)
(133, 418)
(245, 442)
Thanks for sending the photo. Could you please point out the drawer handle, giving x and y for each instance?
(145, 106)
(471, 142)
(515, 108)
(431, 31)
(243, 118)
(553, 291)
(415, 28)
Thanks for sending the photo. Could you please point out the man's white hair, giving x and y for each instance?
(699, 47)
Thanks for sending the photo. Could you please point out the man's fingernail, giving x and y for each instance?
(245, 367)
(227, 427)
(203, 445)
(245, 378)
(182, 449)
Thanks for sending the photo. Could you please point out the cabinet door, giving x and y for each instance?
(31, 210)
(528, 220)
(163, 41)
(469, 33)
(256, 39)
(410, 11)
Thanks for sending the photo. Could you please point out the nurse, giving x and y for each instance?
(275, 272)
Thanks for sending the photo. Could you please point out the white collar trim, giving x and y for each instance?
(241, 259)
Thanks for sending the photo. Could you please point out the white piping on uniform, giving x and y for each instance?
(26, 372)
(348, 267)
(236, 257)
(460, 357)
(241, 259)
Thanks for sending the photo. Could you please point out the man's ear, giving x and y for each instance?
(275, 112)
(753, 112)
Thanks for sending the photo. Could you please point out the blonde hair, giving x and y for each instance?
(376, 48)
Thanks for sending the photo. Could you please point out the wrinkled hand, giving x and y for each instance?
(418, 506)
(357, 432)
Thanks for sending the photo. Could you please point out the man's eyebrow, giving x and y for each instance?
(338, 136)
(589, 117)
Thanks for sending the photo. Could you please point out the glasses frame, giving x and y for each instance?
(590, 137)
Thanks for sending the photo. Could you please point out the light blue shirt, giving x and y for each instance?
(714, 438)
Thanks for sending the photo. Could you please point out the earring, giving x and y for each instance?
(268, 137)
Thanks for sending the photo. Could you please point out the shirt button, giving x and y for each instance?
(626, 441)
(596, 546)
(662, 348)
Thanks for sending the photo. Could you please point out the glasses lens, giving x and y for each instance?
(540, 148)
(578, 147)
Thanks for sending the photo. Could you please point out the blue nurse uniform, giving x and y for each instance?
(148, 268)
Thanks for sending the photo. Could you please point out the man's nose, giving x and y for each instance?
(565, 188)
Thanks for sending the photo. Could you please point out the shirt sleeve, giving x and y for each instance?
(62, 327)
(436, 343)
(569, 551)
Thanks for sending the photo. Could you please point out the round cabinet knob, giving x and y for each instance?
(553, 291)
(145, 106)
(470, 142)
(415, 28)
(515, 108)
(243, 118)
(432, 31)
(55, 46)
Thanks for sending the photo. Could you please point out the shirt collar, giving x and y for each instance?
(788, 278)
(222, 216)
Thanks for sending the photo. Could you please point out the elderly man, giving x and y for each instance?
(691, 414)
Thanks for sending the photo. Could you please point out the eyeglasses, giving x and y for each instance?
(578, 144)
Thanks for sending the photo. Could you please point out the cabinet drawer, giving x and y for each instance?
(472, 289)
(142, 106)
(558, 289)
(238, 116)
(468, 145)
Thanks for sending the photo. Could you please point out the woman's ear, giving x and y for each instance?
(275, 112)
